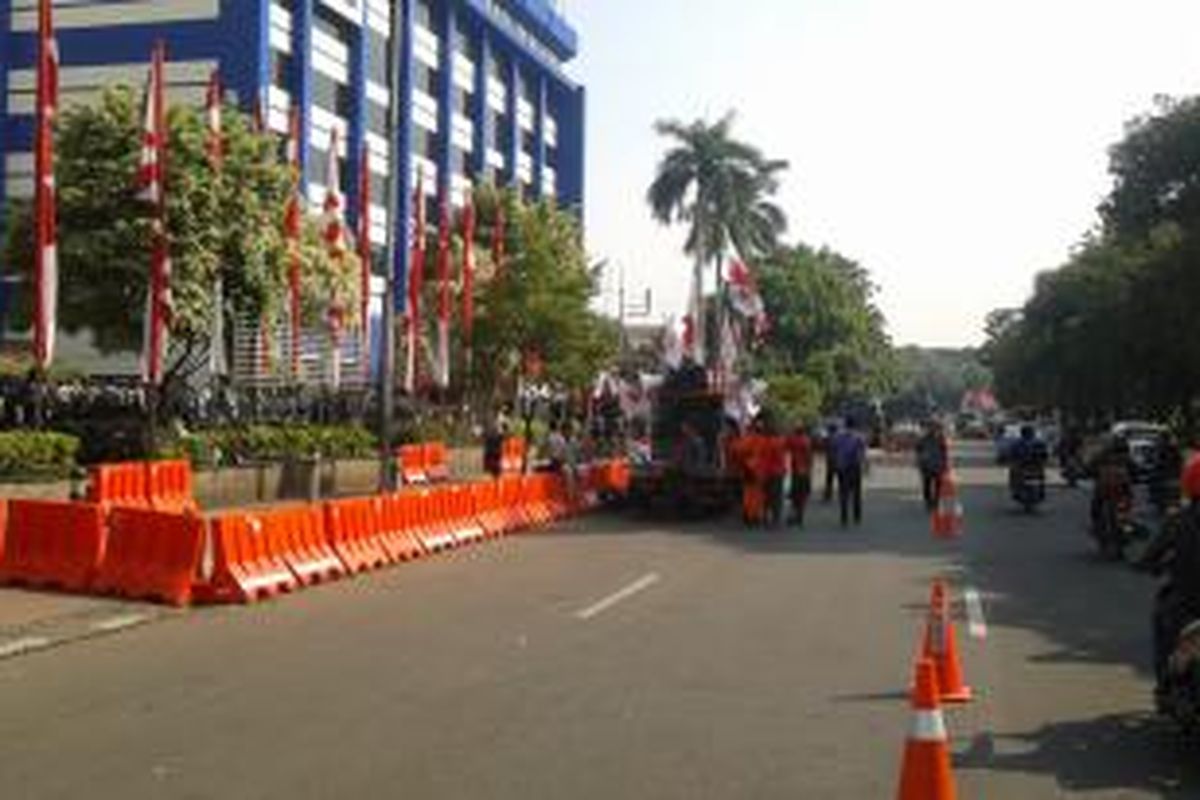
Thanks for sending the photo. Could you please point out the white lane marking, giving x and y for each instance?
(976, 624)
(24, 645)
(644, 582)
(117, 623)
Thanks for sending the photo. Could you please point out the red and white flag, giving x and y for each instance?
(214, 142)
(335, 242)
(468, 280)
(443, 268)
(743, 291)
(365, 254)
(152, 182)
(45, 271)
(416, 286)
(293, 224)
(692, 337)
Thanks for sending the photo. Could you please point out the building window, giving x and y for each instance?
(379, 57)
(423, 14)
(464, 102)
(281, 69)
(528, 143)
(458, 161)
(377, 118)
(498, 68)
(379, 189)
(501, 133)
(426, 79)
(318, 168)
(331, 23)
(425, 144)
(332, 96)
(464, 40)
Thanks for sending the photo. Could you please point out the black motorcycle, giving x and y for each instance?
(1178, 696)
(1113, 527)
(1027, 485)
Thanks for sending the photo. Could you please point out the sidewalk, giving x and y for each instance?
(34, 620)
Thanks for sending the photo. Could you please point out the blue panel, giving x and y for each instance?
(243, 44)
(356, 135)
(402, 160)
(480, 116)
(445, 96)
(541, 18)
(571, 126)
(514, 128)
(5, 143)
(302, 80)
(539, 133)
(186, 41)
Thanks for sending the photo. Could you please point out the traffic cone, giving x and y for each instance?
(925, 773)
(940, 646)
(947, 519)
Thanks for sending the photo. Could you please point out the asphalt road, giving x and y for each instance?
(624, 658)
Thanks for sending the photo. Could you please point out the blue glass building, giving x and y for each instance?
(481, 83)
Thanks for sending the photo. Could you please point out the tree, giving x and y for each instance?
(824, 325)
(536, 307)
(721, 188)
(229, 225)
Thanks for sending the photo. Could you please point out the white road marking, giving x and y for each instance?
(644, 582)
(24, 645)
(976, 624)
(118, 623)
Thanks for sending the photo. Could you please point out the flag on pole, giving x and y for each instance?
(151, 181)
(365, 255)
(468, 280)
(443, 268)
(45, 274)
(693, 338)
(214, 150)
(335, 242)
(416, 284)
(292, 228)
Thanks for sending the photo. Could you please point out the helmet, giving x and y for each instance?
(1191, 478)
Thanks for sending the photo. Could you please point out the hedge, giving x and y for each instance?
(34, 455)
(276, 443)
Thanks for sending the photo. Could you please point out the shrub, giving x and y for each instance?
(275, 443)
(34, 455)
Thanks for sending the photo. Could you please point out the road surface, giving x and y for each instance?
(623, 658)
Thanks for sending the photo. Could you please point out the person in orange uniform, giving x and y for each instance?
(800, 455)
(774, 467)
(749, 454)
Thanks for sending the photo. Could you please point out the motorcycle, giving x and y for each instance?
(1114, 528)
(1072, 470)
(1027, 485)
(1179, 695)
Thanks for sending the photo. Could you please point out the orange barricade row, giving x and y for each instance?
(436, 459)
(512, 493)
(3, 526)
(118, 484)
(353, 529)
(151, 555)
(398, 527)
(433, 527)
(412, 465)
(460, 510)
(169, 485)
(488, 509)
(299, 534)
(248, 564)
(53, 543)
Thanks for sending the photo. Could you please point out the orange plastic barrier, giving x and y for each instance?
(433, 525)
(533, 500)
(169, 485)
(299, 534)
(248, 564)
(512, 455)
(3, 525)
(121, 484)
(437, 461)
(489, 509)
(151, 555)
(460, 513)
(398, 532)
(412, 465)
(352, 527)
(53, 543)
(512, 502)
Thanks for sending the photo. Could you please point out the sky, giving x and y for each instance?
(955, 148)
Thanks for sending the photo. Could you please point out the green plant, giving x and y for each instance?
(274, 443)
(32, 455)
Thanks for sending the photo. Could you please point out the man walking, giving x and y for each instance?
(775, 471)
(932, 461)
(801, 456)
(849, 451)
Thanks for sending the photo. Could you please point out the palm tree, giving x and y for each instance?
(721, 188)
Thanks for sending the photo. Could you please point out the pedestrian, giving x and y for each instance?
(775, 468)
(831, 431)
(849, 461)
(493, 447)
(933, 458)
(750, 457)
(800, 457)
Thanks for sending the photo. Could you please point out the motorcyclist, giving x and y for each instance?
(1114, 480)
(1165, 472)
(1027, 453)
(1176, 552)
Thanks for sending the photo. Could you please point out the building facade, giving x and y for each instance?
(482, 86)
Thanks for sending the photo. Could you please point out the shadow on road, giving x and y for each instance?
(1114, 752)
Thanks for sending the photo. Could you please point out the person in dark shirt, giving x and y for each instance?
(849, 453)
(800, 458)
(774, 462)
(933, 457)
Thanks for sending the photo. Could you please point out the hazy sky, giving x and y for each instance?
(954, 147)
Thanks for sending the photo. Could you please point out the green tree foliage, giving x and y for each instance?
(229, 225)
(935, 379)
(537, 306)
(1114, 330)
(824, 325)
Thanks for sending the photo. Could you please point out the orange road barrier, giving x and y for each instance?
(436, 459)
(352, 528)
(433, 529)
(3, 525)
(299, 534)
(947, 519)
(248, 562)
(940, 646)
(512, 493)
(464, 524)
(489, 508)
(121, 484)
(151, 555)
(925, 773)
(512, 455)
(397, 527)
(169, 485)
(53, 543)
(412, 465)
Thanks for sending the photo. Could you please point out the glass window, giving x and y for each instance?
(281, 69)
(423, 13)
(332, 96)
(330, 22)
(426, 79)
(379, 57)
(379, 189)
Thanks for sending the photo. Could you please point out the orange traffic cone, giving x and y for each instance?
(947, 519)
(940, 646)
(926, 774)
